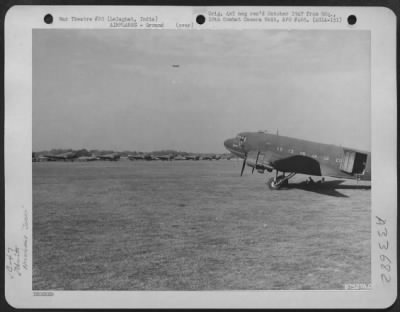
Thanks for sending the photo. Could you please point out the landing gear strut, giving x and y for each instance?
(279, 181)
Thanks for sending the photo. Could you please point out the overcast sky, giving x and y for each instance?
(117, 89)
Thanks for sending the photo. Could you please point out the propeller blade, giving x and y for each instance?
(244, 165)
(252, 171)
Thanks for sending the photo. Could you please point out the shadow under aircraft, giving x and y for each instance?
(329, 188)
(290, 156)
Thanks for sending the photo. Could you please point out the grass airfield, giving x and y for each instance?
(194, 225)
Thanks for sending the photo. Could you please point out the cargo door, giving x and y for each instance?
(360, 163)
(354, 162)
(347, 163)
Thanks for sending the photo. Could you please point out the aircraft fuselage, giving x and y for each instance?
(333, 160)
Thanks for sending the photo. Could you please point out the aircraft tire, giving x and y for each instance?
(272, 185)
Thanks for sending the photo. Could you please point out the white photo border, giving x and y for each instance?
(19, 23)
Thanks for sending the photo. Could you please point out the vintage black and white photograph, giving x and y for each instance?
(193, 157)
(201, 160)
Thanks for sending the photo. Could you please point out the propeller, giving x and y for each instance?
(244, 164)
(258, 154)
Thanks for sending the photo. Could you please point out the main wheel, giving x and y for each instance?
(273, 185)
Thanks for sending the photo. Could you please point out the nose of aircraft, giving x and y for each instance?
(228, 144)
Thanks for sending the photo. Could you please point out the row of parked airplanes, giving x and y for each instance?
(72, 156)
(265, 152)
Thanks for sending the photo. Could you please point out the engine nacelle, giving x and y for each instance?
(260, 167)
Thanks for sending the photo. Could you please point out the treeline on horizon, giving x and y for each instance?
(85, 152)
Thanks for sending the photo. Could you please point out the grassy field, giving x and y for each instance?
(193, 226)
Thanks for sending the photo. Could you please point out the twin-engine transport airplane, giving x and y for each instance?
(263, 151)
(63, 156)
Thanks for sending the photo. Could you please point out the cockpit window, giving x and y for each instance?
(241, 139)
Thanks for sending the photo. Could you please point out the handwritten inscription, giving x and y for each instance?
(25, 224)
(16, 257)
(383, 245)
(25, 253)
(13, 262)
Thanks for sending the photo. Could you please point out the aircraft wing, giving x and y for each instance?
(297, 163)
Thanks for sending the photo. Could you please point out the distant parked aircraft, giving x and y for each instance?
(63, 156)
(112, 157)
(192, 157)
(165, 157)
(136, 157)
(227, 157)
(150, 157)
(263, 151)
(210, 157)
(40, 158)
(179, 157)
(147, 157)
(87, 158)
